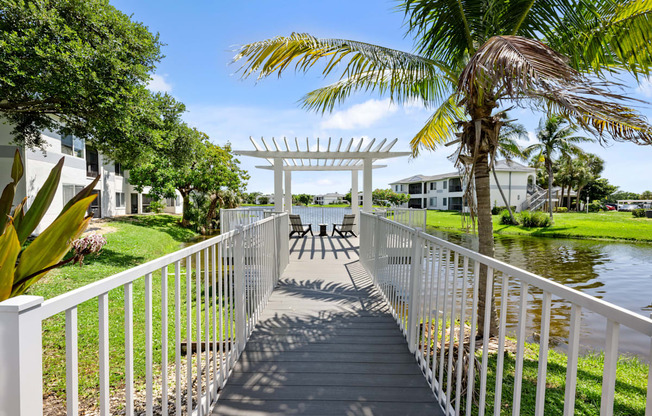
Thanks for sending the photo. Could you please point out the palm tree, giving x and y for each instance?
(587, 167)
(470, 58)
(555, 135)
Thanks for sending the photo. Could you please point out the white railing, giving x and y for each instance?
(212, 291)
(432, 289)
(309, 215)
(412, 217)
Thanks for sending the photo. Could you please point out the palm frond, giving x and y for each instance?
(440, 127)
(275, 56)
(513, 67)
(401, 87)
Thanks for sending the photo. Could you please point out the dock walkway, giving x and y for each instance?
(326, 345)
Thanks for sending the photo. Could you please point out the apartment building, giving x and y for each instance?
(115, 196)
(445, 191)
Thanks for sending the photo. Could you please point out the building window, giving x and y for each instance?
(72, 146)
(69, 191)
(433, 202)
(444, 200)
(445, 185)
(433, 186)
(119, 171)
(92, 162)
(119, 200)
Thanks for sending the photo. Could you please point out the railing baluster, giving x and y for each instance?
(442, 343)
(571, 363)
(148, 345)
(500, 359)
(103, 309)
(540, 399)
(214, 306)
(129, 349)
(427, 321)
(207, 332)
(485, 341)
(451, 334)
(474, 321)
(220, 338)
(198, 331)
(189, 335)
(164, 340)
(460, 347)
(177, 335)
(435, 335)
(520, 350)
(610, 365)
(72, 368)
(648, 403)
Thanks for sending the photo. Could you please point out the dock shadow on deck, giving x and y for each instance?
(326, 344)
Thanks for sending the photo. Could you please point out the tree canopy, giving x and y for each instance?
(75, 67)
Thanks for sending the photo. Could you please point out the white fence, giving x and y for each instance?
(412, 217)
(432, 288)
(218, 287)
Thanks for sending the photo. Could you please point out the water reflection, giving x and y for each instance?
(620, 273)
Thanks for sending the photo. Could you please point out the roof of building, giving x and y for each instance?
(501, 165)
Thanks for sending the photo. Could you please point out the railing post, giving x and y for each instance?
(415, 292)
(376, 244)
(239, 282)
(21, 357)
(277, 245)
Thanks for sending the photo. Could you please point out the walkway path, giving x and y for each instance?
(326, 344)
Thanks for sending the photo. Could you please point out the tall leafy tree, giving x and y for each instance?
(556, 139)
(74, 66)
(471, 58)
(588, 167)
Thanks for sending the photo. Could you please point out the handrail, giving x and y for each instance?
(431, 286)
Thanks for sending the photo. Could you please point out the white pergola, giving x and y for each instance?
(332, 156)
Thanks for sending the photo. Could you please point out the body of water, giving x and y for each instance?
(619, 273)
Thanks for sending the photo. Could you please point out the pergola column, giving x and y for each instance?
(288, 191)
(278, 184)
(366, 185)
(355, 208)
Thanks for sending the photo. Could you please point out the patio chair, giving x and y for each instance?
(298, 227)
(346, 227)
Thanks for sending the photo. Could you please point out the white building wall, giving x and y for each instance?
(37, 167)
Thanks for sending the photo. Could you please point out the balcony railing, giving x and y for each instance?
(216, 288)
(432, 288)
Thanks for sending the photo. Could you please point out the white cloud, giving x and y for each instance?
(159, 84)
(645, 87)
(360, 115)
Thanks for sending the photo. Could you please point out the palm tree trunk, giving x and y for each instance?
(503, 195)
(569, 197)
(486, 239)
(185, 222)
(577, 199)
(561, 199)
(549, 167)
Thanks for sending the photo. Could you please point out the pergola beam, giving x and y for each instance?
(320, 155)
(290, 168)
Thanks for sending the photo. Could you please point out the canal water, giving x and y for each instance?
(620, 273)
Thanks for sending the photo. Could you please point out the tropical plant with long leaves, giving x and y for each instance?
(471, 58)
(556, 138)
(21, 265)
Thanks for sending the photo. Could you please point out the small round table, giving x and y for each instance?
(322, 230)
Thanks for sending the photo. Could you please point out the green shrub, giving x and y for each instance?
(157, 206)
(638, 213)
(596, 206)
(506, 219)
(499, 210)
(534, 219)
(561, 209)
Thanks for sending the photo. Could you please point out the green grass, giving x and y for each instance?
(136, 240)
(631, 381)
(602, 225)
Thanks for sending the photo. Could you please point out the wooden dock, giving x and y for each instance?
(326, 345)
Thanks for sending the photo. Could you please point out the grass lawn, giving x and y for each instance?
(631, 381)
(601, 225)
(135, 240)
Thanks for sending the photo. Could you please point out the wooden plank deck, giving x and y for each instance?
(326, 345)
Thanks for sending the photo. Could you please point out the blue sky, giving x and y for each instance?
(201, 37)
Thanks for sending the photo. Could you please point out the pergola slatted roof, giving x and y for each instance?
(330, 157)
(318, 158)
